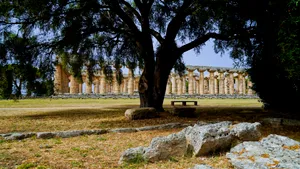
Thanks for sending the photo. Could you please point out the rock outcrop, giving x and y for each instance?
(273, 151)
(194, 141)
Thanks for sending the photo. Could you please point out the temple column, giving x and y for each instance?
(125, 85)
(201, 82)
(231, 82)
(191, 81)
(183, 85)
(168, 89)
(206, 85)
(211, 82)
(240, 83)
(136, 84)
(74, 86)
(102, 83)
(116, 86)
(57, 79)
(216, 84)
(65, 82)
(250, 92)
(130, 82)
(80, 88)
(221, 82)
(226, 84)
(96, 86)
(179, 85)
(195, 86)
(88, 86)
(174, 85)
(244, 83)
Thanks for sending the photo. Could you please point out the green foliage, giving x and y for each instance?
(278, 85)
(95, 34)
(22, 67)
(138, 159)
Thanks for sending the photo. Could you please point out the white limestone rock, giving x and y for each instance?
(45, 135)
(162, 148)
(124, 130)
(132, 154)
(247, 131)
(273, 151)
(197, 140)
(202, 166)
(19, 136)
(141, 113)
(203, 140)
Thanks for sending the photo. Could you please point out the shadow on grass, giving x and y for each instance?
(114, 117)
(203, 113)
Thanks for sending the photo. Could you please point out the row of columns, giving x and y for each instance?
(217, 82)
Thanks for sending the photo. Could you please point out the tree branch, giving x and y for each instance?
(138, 4)
(127, 20)
(177, 21)
(202, 40)
(157, 35)
(135, 12)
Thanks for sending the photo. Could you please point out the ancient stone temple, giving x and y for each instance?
(198, 80)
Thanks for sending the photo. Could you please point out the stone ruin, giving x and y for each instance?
(199, 81)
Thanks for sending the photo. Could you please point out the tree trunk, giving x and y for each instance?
(153, 81)
(146, 87)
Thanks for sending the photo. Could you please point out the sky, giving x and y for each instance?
(207, 57)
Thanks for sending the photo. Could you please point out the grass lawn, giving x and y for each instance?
(103, 151)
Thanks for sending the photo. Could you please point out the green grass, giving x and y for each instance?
(96, 103)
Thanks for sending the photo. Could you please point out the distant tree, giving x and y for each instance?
(5, 82)
(99, 32)
(22, 66)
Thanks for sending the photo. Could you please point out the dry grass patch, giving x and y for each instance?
(107, 118)
(94, 151)
(104, 151)
(33, 115)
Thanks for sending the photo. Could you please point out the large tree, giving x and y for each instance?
(150, 33)
(275, 66)
(273, 51)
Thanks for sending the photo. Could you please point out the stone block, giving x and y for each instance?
(247, 131)
(202, 166)
(162, 148)
(141, 113)
(203, 140)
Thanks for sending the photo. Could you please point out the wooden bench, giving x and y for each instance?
(184, 102)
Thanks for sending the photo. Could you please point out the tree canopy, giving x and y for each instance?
(152, 34)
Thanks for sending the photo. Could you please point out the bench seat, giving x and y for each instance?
(184, 102)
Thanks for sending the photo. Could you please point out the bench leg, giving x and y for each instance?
(184, 103)
(172, 103)
(195, 103)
